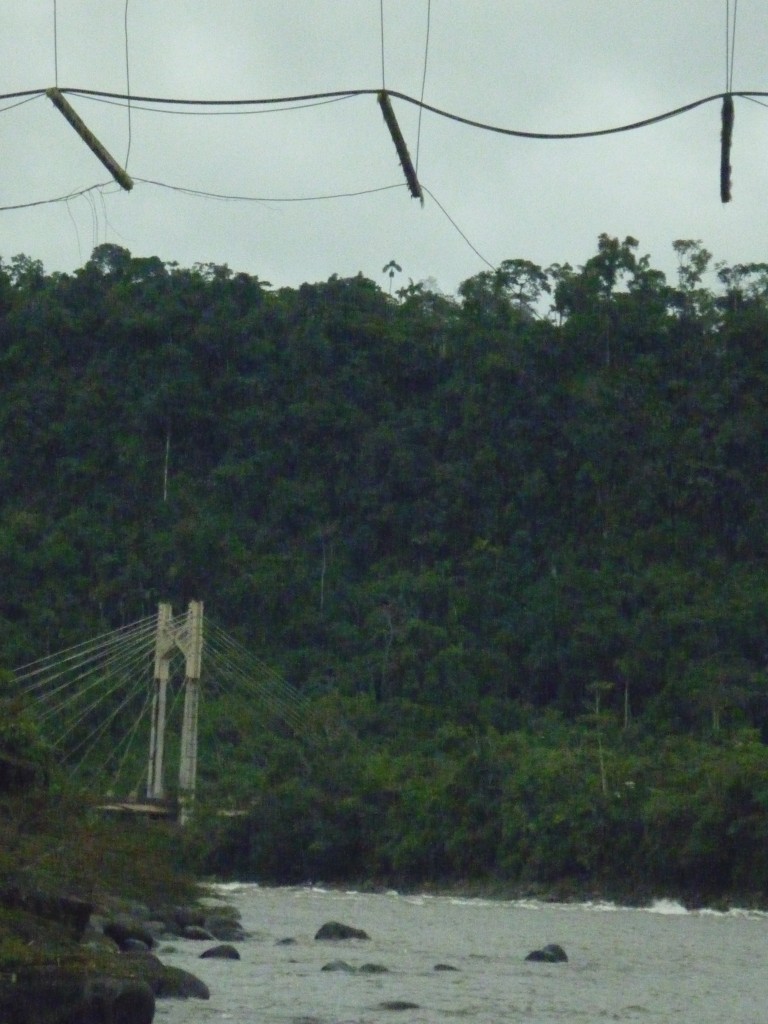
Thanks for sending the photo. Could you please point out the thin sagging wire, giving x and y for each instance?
(437, 202)
(201, 194)
(56, 199)
(127, 81)
(423, 84)
(20, 103)
(730, 41)
(214, 113)
(55, 44)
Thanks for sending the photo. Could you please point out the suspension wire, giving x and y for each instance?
(55, 45)
(127, 81)
(423, 84)
(381, 33)
(733, 44)
(437, 202)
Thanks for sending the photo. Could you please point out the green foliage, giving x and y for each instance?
(465, 514)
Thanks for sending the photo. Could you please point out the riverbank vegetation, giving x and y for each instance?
(508, 547)
(62, 858)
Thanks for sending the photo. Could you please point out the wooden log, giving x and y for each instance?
(725, 149)
(402, 150)
(61, 103)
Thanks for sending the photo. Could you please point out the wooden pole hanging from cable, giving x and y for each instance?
(121, 177)
(725, 149)
(402, 150)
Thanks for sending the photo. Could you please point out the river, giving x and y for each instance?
(662, 964)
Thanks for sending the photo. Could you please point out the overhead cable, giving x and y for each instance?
(483, 126)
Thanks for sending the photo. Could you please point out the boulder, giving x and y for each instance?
(60, 995)
(223, 952)
(225, 929)
(197, 934)
(117, 1001)
(69, 911)
(134, 946)
(398, 1004)
(333, 931)
(444, 967)
(175, 983)
(185, 917)
(338, 965)
(124, 930)
(166, 982)
(549, 954)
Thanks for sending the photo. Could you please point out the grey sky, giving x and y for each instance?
(540, 65)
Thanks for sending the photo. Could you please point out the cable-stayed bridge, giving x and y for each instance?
(122, 710)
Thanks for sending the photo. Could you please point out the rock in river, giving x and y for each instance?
(549, 954)
(333, 931)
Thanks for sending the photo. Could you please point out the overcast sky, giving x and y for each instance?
(535, 65)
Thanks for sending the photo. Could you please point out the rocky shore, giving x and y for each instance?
(70, 962)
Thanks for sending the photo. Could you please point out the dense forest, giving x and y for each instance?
(510, 546)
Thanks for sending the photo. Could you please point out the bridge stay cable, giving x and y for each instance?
(40, 666)
(98, 668)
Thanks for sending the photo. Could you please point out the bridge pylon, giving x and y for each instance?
(186, 637)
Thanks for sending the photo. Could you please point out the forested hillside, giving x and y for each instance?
(515, 540)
